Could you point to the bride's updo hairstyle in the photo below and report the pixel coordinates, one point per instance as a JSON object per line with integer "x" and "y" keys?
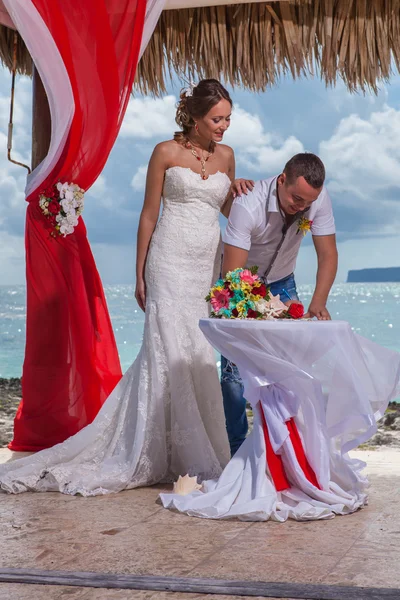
{"x": 195, "y": 102}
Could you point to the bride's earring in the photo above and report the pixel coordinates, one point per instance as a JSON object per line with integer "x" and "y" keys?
{"x": 196, "y": 128}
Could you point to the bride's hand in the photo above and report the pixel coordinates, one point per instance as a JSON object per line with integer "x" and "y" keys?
{"x": 241, "y": 186}
{"x": 140, "y": 294}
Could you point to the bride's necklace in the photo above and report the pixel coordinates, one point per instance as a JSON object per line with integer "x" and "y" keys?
{"x": 203, "y": 159}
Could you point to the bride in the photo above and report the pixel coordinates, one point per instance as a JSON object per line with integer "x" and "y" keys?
{"x": 165, "y": 418}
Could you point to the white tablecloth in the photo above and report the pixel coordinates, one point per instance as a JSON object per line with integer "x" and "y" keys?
{"x": 334, "y": 383}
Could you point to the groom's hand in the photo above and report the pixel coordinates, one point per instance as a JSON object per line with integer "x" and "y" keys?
{"x": 318, "y": 310}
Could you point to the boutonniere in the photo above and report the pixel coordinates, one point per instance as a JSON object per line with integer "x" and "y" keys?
{"x": 304, "y": 225}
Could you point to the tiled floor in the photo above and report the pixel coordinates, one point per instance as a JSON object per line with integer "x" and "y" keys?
{"x": 130, "y": 533}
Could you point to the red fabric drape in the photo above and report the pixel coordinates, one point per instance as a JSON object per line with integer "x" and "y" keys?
{"x": 71, "y": 360}
{"x": 300, "y": 454}
{"x": 275, "y": 462}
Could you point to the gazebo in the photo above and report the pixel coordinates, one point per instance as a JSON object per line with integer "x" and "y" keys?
{"x": 85, "y": 58}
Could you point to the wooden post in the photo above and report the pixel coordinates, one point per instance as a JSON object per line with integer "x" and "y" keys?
{"x": 41, "y": 121}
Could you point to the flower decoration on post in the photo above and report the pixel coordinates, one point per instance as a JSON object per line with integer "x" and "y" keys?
{"x": 304, "y": 225}
{"x": 62, "y": 204}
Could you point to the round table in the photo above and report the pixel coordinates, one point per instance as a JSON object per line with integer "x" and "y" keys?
{"x": 316, "y": 389}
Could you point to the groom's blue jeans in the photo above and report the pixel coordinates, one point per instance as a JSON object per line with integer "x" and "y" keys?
{"x": 231, "y": 383}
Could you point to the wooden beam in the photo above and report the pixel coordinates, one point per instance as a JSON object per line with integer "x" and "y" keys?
{"x": 298, "y": 591}
{"x": 174, "y": 4}
{"x": 41, "y": 121}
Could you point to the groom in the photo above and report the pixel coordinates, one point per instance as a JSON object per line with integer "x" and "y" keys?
{"x": 265, "y": 228}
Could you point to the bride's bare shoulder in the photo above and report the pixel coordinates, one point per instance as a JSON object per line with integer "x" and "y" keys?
{"x": 169, "y": 148}
{"x": 225, "y": 150}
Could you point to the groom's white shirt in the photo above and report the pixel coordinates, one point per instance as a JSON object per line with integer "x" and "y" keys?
{"x": 254, "y": 228}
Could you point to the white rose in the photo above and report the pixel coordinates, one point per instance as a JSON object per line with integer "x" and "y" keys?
{"x": 65, "y": 205}
{"x": 71, "y": 213}
{"x": 261, "y": 306}
{"x": 66, "y": 230}
{"x": 62, "y": 188}
{"x": 72, "y": 220}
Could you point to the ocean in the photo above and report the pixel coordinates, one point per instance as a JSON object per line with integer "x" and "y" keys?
{"x": 373, "y": 310}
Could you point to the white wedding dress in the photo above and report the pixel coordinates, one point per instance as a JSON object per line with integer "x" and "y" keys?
{"x": 165, "y": 418}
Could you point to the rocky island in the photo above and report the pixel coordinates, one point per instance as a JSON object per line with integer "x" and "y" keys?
{"x": 381, "y": 275}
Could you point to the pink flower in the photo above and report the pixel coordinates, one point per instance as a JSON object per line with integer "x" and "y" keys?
{"x": 220, "y": 300}
{"x": 248, "y": 277}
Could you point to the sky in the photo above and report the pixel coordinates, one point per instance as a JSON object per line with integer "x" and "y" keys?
{"x": 357, "y": 136}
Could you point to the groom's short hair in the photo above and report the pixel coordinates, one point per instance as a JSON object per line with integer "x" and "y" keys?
{"x": 306, "y": 165}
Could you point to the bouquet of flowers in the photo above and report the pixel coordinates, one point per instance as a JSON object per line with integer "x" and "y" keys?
{"x": 243, "y": 295}
{"x": 62, "y": 204}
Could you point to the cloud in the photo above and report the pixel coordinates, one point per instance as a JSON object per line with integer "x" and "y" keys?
{"x": 13, "y": 177}
{"x": 353, "y": 254}
{"x": 362, "y": 159}
{"x": 269, "y": 159}
{"x": 12, "y": 259}
{"x": 101, "y": 194}
{"x": 21, "y": 115}
{"x": 148, "y": 118}
{"x": 117, "y": 261}
{"x": 364, "y": 155}
{"x": 139, "y": 179}
{"x": 256, "y": 149}
{"x": 246, "y": 129}
{"x": 359, "y": 146}
{"x": 99, "y": 188}
{"x": 340, "y": 100}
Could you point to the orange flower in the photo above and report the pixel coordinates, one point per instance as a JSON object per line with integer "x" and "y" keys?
{"x": 303, "y": 225}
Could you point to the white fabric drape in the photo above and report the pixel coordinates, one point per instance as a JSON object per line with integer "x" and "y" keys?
{"x": 154, "y": 9}
{"x": 358, "y": 378}
{"x": 54, "y": 75}
{"x": 333, "y": 383}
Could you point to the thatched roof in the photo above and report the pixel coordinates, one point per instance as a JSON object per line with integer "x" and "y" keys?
{"x": 24, "y": 61}
{"x": 252, "y": 45}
